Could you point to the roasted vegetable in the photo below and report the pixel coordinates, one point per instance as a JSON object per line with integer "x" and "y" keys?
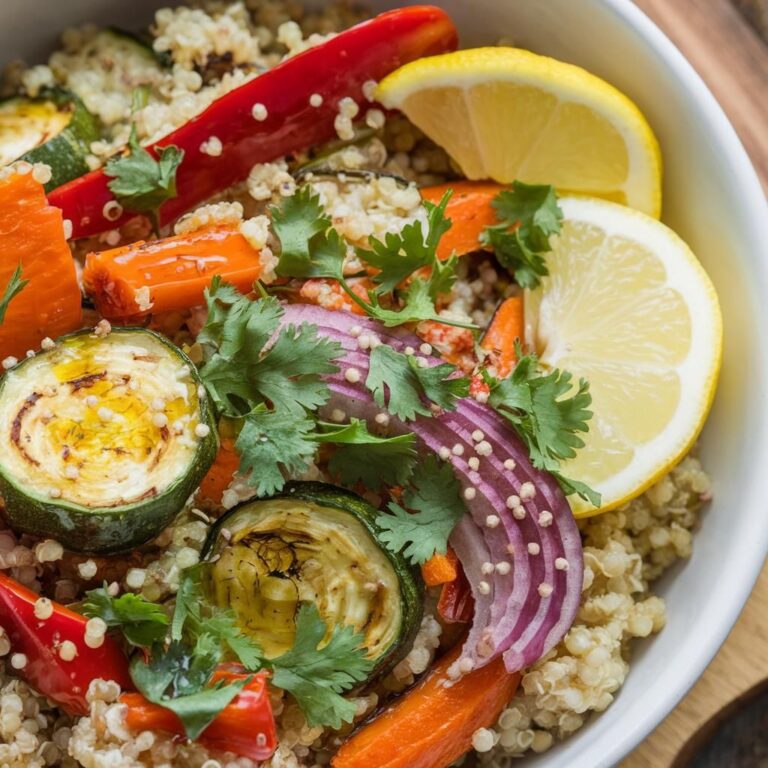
{"x": 313, "y": 543}
{"x": 246, "y": 726}
{"x": 164, "y": 275}
{"x": 431, "y": 725}
{"x": 32, "y": 237}
{"x": 39, "y": 629}
{"x": 106, "y": 437}
{"x": 54, "y": 128}
{"x": 365, "y": 52}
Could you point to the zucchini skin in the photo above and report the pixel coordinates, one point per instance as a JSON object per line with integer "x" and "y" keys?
{"x": 113, "y": 529}
{"x": 65, "y": 153}
{"x": 409, "y": 577}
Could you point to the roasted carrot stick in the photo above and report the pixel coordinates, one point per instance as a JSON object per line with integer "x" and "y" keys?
{"x": 127, "y": 283}
{"x": 505, "y": 329}
{"x": 220, "y": 474}
{"x": 470, "y": 212}
{"x": 32, "y": 235}
{"x": 440, "y": 569}
{"x": 431, "y": 725}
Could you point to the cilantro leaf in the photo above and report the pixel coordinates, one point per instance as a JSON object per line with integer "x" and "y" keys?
{"x": 311, "y": 247}
{"x": 235, "y": 324}
{"x": 270, "y": 442}
{"x": 417, "y": 306}
{"x": 401, "y": 254}
{"x": 288, "y": 372}
{"x": 439, "y": 384}
{"x": 15, "y": 286}
{"x": 397, "y": 382}
{"x": 308, "y": 247}
{"x": 547, "y": 414}
{"x": 528, "y": 216}
{"x": 141, "y": 622}
{"x": 434, "y": 498}
{"x": 366, "y": 458}
{"x": 218, "y": 627}
{"x": 243, "y": 370}
{"x": 316, "y": 676}
{"x": 139, "y": 181}
{"x": 177, "y": 680}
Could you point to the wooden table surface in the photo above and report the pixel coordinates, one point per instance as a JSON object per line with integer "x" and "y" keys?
{"x": 733, "y": 59}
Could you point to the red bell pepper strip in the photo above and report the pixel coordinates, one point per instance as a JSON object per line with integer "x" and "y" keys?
{"x": 456, "y": 604}
{"x": 246, "y": 726}
{"x": 65, "y": 682}
{"x": 337, "y": 68}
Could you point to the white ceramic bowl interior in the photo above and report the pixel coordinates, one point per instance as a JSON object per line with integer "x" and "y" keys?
{"x": 713, "y": 199}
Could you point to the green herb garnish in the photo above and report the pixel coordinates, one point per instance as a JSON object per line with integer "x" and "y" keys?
{"x": 362, "y": 457}
{"x": 180, "y": 657}
{"x": 528, "y": 216}
{"x": 547, "y": 414}
{"x": 316, "y": 676}
{"x": 410, "y": 279}
{"x": 399, "y": 383}
{"x": 14, "y": 288}
{"x": 139, "y": 181}
{"x": 435, "y": 504}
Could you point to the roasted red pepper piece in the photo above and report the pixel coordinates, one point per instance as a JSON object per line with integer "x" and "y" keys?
{"x": 65, "y": 682}
{"x": 456, "y": 604}
{"x": 246, "y": 726}
{"x": 337, "y": 68}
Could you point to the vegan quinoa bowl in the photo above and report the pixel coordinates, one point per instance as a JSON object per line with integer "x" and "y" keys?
{"x": 350, "y": 398}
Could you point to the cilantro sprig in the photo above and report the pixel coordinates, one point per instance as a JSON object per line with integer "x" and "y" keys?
{"x": 14, "y": 288}
{"x": 141, "y": 622}
{"x": 139, "y": 181}
{"x": 547, "y": 414}
{"x": 435, "y": 504}
{"x": 362, "y": 457}
{"x": 179, "y": 656}
{"x": 398, "y": 382}
{"x": 410, "y": 278}
{"x": 316, "y": 676}
{"x": 267, "y": 378}
{"x": 528, "y": 216}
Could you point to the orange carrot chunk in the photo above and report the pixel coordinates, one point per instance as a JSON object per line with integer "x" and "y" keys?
{"x": 440, "y": 569}
{"x": 220, "y": 474}
{"x": 506, "y": 328}
{"x": 470, "y": 212}
{"x": 129, "y": 282}
{"x": 431, "y": 725}
{"x": 32, "y": 234}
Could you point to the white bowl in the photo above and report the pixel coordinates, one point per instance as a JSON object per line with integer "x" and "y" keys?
{"x": 713, "y": 199}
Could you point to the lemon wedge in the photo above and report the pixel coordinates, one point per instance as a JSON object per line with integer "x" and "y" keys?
{"x": 506, "y": 114}
{"x": 627, "y": 306}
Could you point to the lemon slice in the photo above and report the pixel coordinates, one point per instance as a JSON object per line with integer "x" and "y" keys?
{"x": 506, "y": 114}
{"x": 628, "y": 307}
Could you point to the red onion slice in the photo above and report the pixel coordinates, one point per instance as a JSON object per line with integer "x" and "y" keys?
{"x": 527, "y": 602}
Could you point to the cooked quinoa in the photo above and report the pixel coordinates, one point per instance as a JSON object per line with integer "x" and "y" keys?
{"x": 215, "y": 47}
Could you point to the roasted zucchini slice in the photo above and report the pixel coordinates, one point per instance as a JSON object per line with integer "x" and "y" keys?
{"x": 319, "y": 544}
{"x": 55, "y": 129}
{"x": 104, "y": 438}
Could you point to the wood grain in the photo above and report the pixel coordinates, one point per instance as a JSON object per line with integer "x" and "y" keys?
{"x": 733, "y": 60}
{"x": 730, "y": 57}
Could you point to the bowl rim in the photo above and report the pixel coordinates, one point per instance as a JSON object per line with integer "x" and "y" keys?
{"x": 753, "y": 197}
